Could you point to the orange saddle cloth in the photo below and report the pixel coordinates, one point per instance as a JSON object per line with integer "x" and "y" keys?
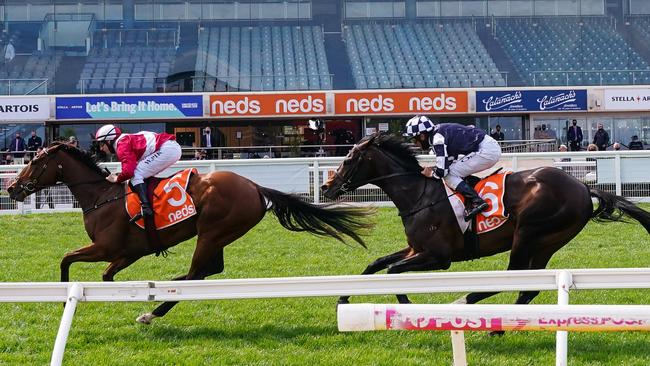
{"x": 171, "y": 202}
{"x": 492, "y": 190}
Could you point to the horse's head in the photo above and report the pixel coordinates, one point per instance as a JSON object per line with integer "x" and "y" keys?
{"x": 42, "y": 171}
{"x": 376, "y": 157}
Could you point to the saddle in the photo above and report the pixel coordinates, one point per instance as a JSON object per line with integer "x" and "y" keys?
{"x": 169, "y": 200}
{"x": 492, "y": 186}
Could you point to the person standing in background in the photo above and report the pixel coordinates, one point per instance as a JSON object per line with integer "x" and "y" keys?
{"x": 9, "y": 55}
{"x": 17, "y": 148}
{"x": 498, "y": 134}
{"x": 574, "y": 136}
{"x": 208, "y": 141}
{"x": 34, "y": 142}
{"x": 601, "y": 138}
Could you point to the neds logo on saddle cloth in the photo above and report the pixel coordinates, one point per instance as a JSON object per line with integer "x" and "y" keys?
{"x": 491, "y": 189}
{"x": 171, "y": 203}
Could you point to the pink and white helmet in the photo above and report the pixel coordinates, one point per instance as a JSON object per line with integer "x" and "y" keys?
{"x": 107, "y": 133}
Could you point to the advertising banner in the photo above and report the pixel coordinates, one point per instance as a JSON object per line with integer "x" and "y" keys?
{"x": 129, "y": 107}
{"x": 627, "y": 99}
{"x": 531, "y": 100}
{"x": 286, "y": 104}
{"x": 401, "y": 102}
{"x": 24, "y": 109}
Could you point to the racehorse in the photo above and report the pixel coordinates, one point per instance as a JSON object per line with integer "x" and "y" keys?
{"x": 547, "y": 208}
{"x": 228, "y": 205}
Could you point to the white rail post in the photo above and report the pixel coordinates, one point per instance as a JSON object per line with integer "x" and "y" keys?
{"x": 617, "y": 172}
{"x": 458, "y": 347}
{"x": 75, "y": 293}
{"x": 316, "y": 167}
{"x": 564, "y": 282}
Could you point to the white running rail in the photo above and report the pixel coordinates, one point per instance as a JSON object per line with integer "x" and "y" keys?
{"x": 71, "y": 293}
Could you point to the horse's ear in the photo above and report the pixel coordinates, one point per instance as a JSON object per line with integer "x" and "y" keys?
{"x": 365, "y": 143}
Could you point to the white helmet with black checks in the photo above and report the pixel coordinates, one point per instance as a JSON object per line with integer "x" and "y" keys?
{"x": 418, "y": 125}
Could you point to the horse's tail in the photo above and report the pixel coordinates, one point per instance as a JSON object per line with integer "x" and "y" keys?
{"x": 612, "y": 208}
{"x": 296, "y": 214}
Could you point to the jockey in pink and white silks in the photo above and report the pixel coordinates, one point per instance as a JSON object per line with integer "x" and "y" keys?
{"x": 460, "y": 151}
{"x": 143, "y": 155}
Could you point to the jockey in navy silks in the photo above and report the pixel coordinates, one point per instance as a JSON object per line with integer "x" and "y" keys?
{"x": 460, "y": 151}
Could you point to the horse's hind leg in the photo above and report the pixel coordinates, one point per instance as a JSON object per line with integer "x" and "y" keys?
{"x": 422, "y": 261}
{"x": 116, "y": 266}
{"x": 378, "y": 265}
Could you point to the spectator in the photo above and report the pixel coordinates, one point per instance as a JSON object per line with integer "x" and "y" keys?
{"x": 497, "y": 134}
{"x": 562, "y": 148}
{"x": 616, "y": 146}
{"x": 34, "y": 143}
{"x": 574, "y": 136}
{"x": 592, "y": 147}
{"x": 601, "y": 138}
{"x": 208, "y": 141}
{"x": 200, "y": 154}
{"x": 635, "y": 144}
{"x": 10, "y": 54}
{"x": 17, "y": 148}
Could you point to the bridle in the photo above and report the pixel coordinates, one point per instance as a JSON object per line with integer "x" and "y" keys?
{"x": 32, "y": 185}
{"x": 348, "y": 186}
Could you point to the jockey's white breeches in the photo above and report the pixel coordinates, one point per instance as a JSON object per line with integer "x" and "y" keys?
{"x": 488, "y": 154}
{"x": 150, "y": 165}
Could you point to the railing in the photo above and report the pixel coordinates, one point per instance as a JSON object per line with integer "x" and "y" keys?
{"x": 435, "y": 79}
{"x": 259, "y": 82}
{"x": 408, "y": 283}
{"x": 264, "y": 152}
{"x": 23, "y": 86}
{"x": 122, "y": 85}
{"x": 625, "y": 173}
{"x": 120, "y": 36}
{"x": 599, "y": 77}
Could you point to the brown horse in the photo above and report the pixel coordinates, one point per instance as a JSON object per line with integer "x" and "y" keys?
{"x": 228, "y": 206}
{"x": 547, "y": 208}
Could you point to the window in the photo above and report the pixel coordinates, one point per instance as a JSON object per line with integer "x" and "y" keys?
{"x": 428, "y": 9}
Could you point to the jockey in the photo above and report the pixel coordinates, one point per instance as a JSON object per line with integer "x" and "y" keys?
{"x": 143, "y": 155}
{"x": 460, "y": 151}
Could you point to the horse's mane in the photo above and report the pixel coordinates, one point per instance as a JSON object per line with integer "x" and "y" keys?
{"x": 82, "y": 156}
{"x": 397, "y": 148}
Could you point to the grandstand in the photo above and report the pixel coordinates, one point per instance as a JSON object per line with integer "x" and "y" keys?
{"x": 563, "y": 51}
{"x": 128, "y": 61}
{"x": 261, "y": 58}
{"x": 419, "y": 55}
{"x": 364, "y": 47}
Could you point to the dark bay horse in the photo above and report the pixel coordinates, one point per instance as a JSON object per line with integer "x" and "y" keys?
{"x": 547, "y": 208}
{"x": 228, "y": 206}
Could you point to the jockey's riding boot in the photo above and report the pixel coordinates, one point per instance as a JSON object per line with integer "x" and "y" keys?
{"x": 141, "y": 190}
{"x": 474, "y": 203}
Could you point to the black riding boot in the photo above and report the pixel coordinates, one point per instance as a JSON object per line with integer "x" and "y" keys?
{"x": 474, "y": 204}
{"x": 141, "y": 190}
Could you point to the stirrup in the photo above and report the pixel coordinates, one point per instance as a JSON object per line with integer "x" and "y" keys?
{"x": 469, "y": 215}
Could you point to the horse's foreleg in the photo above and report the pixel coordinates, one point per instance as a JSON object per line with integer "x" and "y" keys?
{"x": 117, "y": 266}
{"x": 90, "y": 253}
{"x": 378, "y": 265}
{"x": 422, "y": 261}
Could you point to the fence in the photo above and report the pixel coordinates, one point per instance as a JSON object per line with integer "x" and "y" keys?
{"x": 625, "y": 173}
{"x": 72, "y": 293}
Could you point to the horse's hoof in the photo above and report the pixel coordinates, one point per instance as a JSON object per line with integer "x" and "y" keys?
{"x": 145, "y": 318}
{"x": 342, "y": 301}
{"x": 461, "y": 301}
{"x": 496, "y": 333}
